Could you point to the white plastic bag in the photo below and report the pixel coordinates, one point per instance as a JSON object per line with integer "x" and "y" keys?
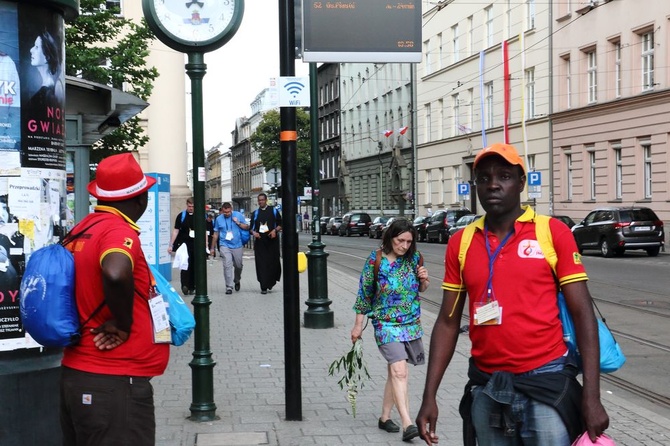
{"x": 181, "y": 258}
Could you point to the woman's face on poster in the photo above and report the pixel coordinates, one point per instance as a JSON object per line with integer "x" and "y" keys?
{"x": 37, "y": 56}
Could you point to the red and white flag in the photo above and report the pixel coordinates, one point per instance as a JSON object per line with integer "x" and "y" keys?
{"x": 403, "y": 130}
{"x": 388, "y": 133}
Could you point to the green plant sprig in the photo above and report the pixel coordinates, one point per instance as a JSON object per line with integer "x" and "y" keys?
{"x": 355, "y": 372}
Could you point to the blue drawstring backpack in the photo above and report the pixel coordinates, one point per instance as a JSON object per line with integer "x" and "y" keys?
{"x": 182, "y": 321}
{"x": 47, "y": 300}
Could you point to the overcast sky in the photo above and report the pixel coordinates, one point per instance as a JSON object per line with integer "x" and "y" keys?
{"x": 241, "y": 69}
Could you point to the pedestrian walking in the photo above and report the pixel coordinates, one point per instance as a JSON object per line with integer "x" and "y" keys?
{"x": 184, "y": 233}
{"x": 305, "y": 222}
{"x": 227, "y": 236}
{"x": 265, "y": 227}
{"x": 522, "y": 387}
{"x": 209, "y": 227}
{"x": 389, "y": 295}
{"x": 106, "y": 393}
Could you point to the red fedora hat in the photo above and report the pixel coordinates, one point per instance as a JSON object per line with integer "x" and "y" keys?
{"x": 119, "y": 177}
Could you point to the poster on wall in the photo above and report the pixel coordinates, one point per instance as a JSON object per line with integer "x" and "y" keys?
{"x": 33, "y": 190}
{"x": 42, "y": 71}
{"x": 10, "y": 91}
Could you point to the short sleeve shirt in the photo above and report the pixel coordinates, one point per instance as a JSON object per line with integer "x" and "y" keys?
{"x": 393, "y": 304}
{"x": 139, "y": 355}
{"x": 223, "y": 224}
{"x": 523, "y": 283}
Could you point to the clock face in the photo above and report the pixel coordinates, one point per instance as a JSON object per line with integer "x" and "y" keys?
{"x": 194, "y": 23}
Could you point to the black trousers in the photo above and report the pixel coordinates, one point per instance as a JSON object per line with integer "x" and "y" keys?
{"x": 106, "y": 410}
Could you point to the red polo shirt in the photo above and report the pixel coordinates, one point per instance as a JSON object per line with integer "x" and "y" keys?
{"x": 138, "y": 356}
{"x": 530, "y": 334}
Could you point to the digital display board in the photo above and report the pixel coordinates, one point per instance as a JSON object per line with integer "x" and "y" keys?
{"x": 362, "y": 31}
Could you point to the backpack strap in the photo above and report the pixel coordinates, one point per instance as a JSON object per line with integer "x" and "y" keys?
{"x": 466, "y": 239}
{"x": 183, "y": 216}
{"x": 545, "y": 240}
{"x": 72, "y": 236}
{"x": 69, "y": 238}
{"x": 378, "y": 261}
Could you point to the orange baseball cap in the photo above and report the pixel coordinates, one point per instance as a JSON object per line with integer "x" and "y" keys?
{"x": 507, "y": 151}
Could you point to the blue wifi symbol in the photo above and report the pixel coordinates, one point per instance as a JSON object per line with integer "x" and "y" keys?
{"x": 294, "y": 88}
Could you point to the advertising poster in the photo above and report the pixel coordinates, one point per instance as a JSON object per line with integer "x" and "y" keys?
{"x": 42, "y": 71}
{"x": 33, "y": 190}
{"x": 10, "y": 91}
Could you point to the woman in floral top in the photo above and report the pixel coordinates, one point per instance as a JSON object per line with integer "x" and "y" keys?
{"x": 392, "y": 302}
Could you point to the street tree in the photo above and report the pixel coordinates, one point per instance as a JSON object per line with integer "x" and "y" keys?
{"x": 104, "y": 47}
{"x": 266, "y": 141}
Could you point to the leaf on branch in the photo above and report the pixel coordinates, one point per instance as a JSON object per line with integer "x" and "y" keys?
{"x": 355, "y": 372}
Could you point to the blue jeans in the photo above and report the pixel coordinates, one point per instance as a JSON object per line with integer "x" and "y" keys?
{"x": 537, "y": 424}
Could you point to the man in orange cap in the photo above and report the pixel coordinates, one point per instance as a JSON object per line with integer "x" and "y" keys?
{"x": 106, "y": 396}
{"x": 523, "y": 388}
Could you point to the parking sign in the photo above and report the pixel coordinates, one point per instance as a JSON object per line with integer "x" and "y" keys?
{"x": 534, "y": 178}
{"x": 534, "y": 184}
{"x": 463, "y": 188}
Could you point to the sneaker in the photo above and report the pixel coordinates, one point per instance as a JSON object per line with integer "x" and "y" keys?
{"x": 184, "y": 290}
{"x": 411, "y": 432}
{"x": 229, "y": 291}
{"x": 237, "y": 286}
{"x": 388, "y": 425}
{"x": 264, "y": 291}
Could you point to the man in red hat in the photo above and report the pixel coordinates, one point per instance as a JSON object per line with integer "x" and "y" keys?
{"x": 522, "y": 387}
{"x": 106, "y": 396}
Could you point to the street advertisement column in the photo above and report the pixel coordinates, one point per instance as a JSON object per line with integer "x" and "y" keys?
{"x": 32, "y": 149}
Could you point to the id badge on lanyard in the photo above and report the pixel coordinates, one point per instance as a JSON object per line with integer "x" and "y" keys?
{"x": 159, "y": 318}
{"x": 489, "y": 311}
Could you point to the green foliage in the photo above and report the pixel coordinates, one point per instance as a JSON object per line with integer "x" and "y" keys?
{"x": 266, "y": 141}
{"x": 355, "y": 372}
{"x": 111, "y": 50}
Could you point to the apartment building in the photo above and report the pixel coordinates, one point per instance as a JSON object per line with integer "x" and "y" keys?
{"x": 611, "y": 115}
{"x": 328, "y": 109}
{"x": 484, "y": 78}
{"x": 376, "y": 149}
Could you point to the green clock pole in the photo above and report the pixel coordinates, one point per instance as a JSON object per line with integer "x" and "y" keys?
{"x": 202, "y": 366}
{"x": 319, "y": 314}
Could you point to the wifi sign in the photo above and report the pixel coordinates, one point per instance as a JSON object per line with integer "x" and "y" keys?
{"x": 293, "y": 91}
{"x": 294, "y": 88}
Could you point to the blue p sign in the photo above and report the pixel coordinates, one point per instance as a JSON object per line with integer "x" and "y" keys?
{"x": 534, "y": 179}
{"x": 463, "y": 188}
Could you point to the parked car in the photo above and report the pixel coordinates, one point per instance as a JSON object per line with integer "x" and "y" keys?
{"x": 438, "y": 226}
{"x": 375, "y": 230}
{"x": 323, "y": 222}
{"x": 388, "y": 223}
{"x": 355, "y": 223}
{"x": 420, "y": 226}
{"x": 333, "y": 225}
{"x": 565, "y": 219}
{"x": 462, "y": 222}
{"x": 613, "y": 230}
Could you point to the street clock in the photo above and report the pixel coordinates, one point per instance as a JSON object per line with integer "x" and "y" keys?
{"x": 192, "y": 25}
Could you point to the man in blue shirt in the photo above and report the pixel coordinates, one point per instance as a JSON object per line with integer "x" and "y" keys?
{"x": 227, "y": 236}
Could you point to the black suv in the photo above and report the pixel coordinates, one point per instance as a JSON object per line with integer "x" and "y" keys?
{"x": 613, "y": 230}
{"x": 355, "y": 223}
{"x": 438, "y": 226}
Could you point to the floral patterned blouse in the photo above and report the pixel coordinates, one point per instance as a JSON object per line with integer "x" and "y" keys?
{"x": 395, "y": 309}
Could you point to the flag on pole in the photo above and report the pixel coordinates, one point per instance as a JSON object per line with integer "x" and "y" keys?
{"x": 388, "y": 133}
{"x": 403, "y": 130}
